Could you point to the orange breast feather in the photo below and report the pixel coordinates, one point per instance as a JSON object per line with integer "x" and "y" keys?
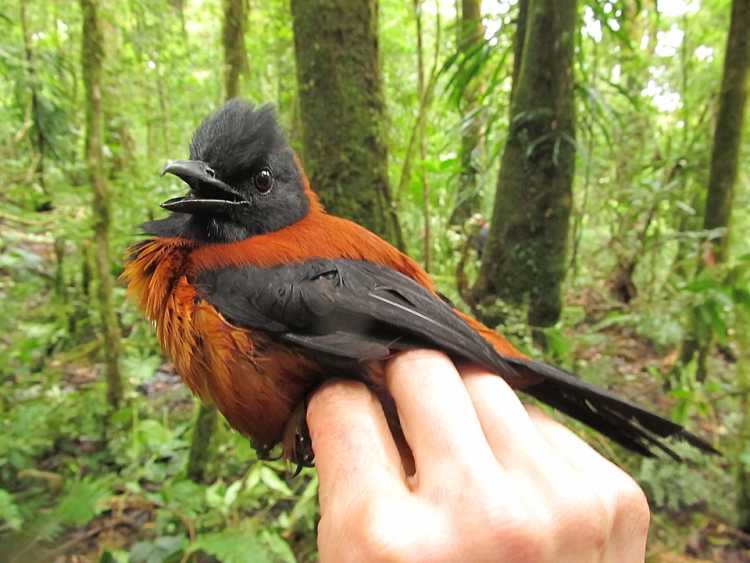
{"x": 253, "y": 381}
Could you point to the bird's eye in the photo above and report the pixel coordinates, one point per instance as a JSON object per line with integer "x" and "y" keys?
{"x": 263, "y": 181}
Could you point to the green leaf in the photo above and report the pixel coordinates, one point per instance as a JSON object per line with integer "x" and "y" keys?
{"x": 81, "y": 502}
{"x": 231, "y": 493}
{"x": 215, "y": 494}
{"x": 271, "y": 480}
{"x": 9, "y": 511}
{"x": 234, "y": 545}
{"x": 115, "y": 556}
{"x": 253, "y": 477}
{"x": 185, "y": 495}
{"x": 741, "y": 297}
{"x": 160, "y": 550}
{"x": 712, "y": 315}
{"x": 278, "y": 546}
{"x": 702, "y": 284}
{"x": 557, "y": 343}
{"x": 139, "y": 369}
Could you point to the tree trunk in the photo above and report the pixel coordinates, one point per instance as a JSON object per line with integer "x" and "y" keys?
{"x": 233, "y": 41}
{"x": 524, "y": 261}
{"x": 468, "y": 197}
{"x": 743, "y": 387}
{"x": 39, "y": 142}
{"x": 343, "y": 111}
{"x": 422, "y": 125}
{"x": 235, "y": 65}
{"x": 728, "y": 135}
{"x": 518, "y": 44}
{"x": 724, "y": 161}
{"x": 91, "y": 64}
{"x": 179, "y": 7}
{"x": 200, "y": 442}
{"x": 424, "y": 92}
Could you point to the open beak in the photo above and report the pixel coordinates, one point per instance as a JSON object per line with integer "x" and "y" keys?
{"x": 207, "y": 194}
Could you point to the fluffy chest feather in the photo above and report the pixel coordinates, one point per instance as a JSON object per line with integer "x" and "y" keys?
{"x": 254, "y": 381}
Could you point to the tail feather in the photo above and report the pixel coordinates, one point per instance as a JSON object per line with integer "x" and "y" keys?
{"x": 622, "y": 421}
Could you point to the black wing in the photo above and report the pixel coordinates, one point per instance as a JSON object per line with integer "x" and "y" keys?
{"x": 353, "y": 309}
{"x": 357, "y": 311}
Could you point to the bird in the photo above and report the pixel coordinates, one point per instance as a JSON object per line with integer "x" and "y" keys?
{"x": 258, "y": 295}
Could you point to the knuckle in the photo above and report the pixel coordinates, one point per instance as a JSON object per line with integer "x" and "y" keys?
{"x": 332, "y": 394}
{"x": 523, "y": 540}
{"x": 586, "y": 521}
{"x": 631, "y": 508}
{"x": 539, "y": 416}
{"x": 518, "y": 532}
{"x": 377, "y": 535}
{"x": 423, "y": 359}
{"x": 486, "y": 382}
{"x": 475, "y": 374}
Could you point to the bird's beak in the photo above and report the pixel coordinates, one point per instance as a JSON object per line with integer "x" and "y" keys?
{"x": 207, "y": 194}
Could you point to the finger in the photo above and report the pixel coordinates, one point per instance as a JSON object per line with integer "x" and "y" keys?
{"x": 354, "y": 449}
{"x": 627, "y": 507}
{"x": 568, "y": 445}
{"x": 549, "y": 482}
{"x": 577, "y": 453}
{"x": 513, "y": 437}
{"x": 437, "y": 416}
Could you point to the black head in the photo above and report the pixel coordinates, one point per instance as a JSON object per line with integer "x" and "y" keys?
{"x": 243, "y": 177}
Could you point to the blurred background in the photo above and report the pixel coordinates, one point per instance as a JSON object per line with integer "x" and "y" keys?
{"x": 573, "y": 172}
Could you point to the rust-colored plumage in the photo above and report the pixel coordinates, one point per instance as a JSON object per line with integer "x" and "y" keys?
{"x": 255, "y": 382}
{"x": 258, "y": 295}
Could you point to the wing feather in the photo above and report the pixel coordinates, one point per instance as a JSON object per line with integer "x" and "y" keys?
{"x": 359, "y": 311}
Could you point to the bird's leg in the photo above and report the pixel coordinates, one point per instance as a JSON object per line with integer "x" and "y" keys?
{"x": 297, "y": 444}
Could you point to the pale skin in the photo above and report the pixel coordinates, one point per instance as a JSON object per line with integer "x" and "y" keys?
{"x": 494, "y": 480}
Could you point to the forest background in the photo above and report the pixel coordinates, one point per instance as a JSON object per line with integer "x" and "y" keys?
{"x": 571, "y": 172}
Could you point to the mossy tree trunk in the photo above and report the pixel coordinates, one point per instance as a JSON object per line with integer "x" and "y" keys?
{"x": 468, "y": 196}
{"x": 524, "y": 261}
{"x": 38, "y": 140}
{"x": 235, "y": 65}
{"x": 724, "y": 160}
{"x": 92, "y": 55}
{"x": 200, "y": 441}
{"x": 343, "y": 111}
{"x": 729, "y": 122}
{"x": 743, "y": 386}
{"x": 725, "y": 157}
{"x": 424, "y": 93}
{"x": 518, "y": 44}
{"x": 179, "y": 7}
{"x": 233, "y": 41}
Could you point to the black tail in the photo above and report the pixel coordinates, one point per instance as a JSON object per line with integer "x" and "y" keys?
{"x": 627, "y": 424}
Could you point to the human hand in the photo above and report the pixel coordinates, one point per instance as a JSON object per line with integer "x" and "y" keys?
{"x": 494, "y": 481}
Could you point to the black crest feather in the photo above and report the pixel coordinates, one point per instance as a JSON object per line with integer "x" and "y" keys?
{"x": 237, "y": 135}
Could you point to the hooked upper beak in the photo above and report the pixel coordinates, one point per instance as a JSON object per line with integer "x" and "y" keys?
{"x": 207, "y": 193}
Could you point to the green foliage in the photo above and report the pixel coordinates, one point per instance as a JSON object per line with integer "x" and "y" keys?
{"x": 81, "y": 502}
{"x": 646, "y": 85}
{"x": 721, "y": 296}
{"x": 9, "y": 511}
{"x": 164, "y": 549}
{"x": 237, "y": 545}
{"x": 142, "y": 463}
{"x": 701, "y": 484}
